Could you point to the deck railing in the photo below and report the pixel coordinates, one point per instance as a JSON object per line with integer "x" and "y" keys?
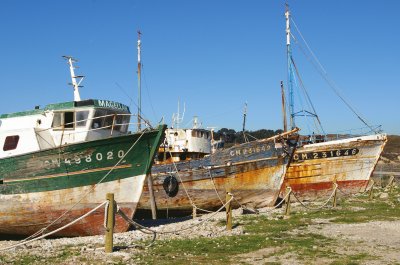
{"x": 72, "y": 126}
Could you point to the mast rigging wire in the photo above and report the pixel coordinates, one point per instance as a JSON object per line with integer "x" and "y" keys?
{"x": 321, "y": 70}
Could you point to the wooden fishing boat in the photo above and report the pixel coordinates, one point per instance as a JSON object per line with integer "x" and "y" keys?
{"x": 59, "y": 162}
{"x": 347, "y": 162}
{"x": 253, "y": 172}
{"x": 321, "y": 161}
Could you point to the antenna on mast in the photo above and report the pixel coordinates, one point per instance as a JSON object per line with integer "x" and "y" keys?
{"x": 139, "y": 67}
{"x": 177, "y": 118}
{"x": 76, "y": 84}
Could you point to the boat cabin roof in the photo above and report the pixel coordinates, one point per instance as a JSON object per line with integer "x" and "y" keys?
{"x": 94, "y": 103}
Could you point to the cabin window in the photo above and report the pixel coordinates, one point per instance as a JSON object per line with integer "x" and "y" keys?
{"x": 11, "y": 142}
{"x": 57, "y": 120}
{"x": 63, "y": 119}
{"x": 81, "y": 118}
{"x": 69, "y": 120}
{"x": 105, "y": 119}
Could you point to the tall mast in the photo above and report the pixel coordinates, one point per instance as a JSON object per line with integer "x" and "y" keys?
{"x": 139, "y": 67}
{"x": 244, "y": 117}
{"x": 290, "y": 70}
{"x": 244, "y": 122}
{"x": 283, "y": 108}
{"x": 75, "y": 84}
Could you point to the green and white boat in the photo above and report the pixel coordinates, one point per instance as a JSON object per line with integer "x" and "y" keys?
{"x": 58, "y": 162}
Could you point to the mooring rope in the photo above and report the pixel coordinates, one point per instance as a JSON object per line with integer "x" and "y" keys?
{"x": 123, "y": 215}
{"x": 317, "y": 208}
{"x": 57, "y": 230}
{"x": 367, "y": 189}
{"x": 187, "y": 193}
{"x": 180, "y": 179}
{"x": 215, "y": 188}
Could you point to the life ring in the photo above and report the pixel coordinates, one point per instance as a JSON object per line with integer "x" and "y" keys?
{"x": 171, "y": 186}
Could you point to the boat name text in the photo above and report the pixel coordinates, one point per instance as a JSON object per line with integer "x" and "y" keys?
{"x": 250, "y": 150}
{"x": 95, "y": 157}
{"x": 112, "y": 105}
{"x": 325, "y": 154}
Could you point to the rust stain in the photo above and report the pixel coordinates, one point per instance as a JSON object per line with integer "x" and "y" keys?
{"x": 28, "y": 222}
{"x": 350, "y": 166}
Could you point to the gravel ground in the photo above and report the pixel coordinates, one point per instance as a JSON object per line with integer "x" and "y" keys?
{"x": 379, "y": 239}
{"x": 93, "y": 246}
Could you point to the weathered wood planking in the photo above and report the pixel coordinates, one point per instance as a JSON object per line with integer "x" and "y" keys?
{"x": 253, "y": 171}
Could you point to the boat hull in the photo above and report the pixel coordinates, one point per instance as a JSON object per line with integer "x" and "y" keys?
{"x": 252, "y": 171}
{"x": 39, "y": 187}
{"x": 350, "y": 162}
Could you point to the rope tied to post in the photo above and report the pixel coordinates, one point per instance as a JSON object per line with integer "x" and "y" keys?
{"x": 323, "y": 205}
{"x": 129, "y": 220}
{"x": 24, "y": 242}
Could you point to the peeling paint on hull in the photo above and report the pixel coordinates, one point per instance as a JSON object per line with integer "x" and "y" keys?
{"x": 25, "y": 214}
{"x": 253, "y": 171}
{"x": 349, "y": 162}
{"x": 34, "y": 193}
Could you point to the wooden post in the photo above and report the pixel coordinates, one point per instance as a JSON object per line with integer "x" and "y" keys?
{"x": 371, "y": 190}
{"x": 228, "y": 208}
{"x": 194, "y": 212}
{"x": 335, "y": 195}
{"x": 152, "y": 198}
{"x": 391, "y": 181}
{"x": 110, "y": 223}
{"x": 287, "y": 210}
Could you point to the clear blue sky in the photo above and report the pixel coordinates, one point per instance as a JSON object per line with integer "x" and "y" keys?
{"x": 212, "y": 55}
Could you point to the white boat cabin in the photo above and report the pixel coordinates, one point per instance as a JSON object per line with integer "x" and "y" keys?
{"x": 185, "y": 144}
{"x": 61, "y": 124}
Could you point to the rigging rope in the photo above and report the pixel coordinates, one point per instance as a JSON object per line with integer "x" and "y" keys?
{"x": 307, "y": 96}
{"x": 321, "y": 70}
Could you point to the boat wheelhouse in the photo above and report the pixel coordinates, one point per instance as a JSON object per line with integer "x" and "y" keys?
{"x": 60, "y": 124}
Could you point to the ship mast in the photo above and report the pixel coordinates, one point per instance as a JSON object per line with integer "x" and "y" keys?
{"x": 283, "y": 108}
{"x": 139, "y": 67}
{"x": 244, "y": 122}
{"x": 76, "y": 85}
{"x": 290, "y": 70}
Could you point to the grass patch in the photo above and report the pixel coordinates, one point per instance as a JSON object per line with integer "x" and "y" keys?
{"x": 356, "y": 259}
{"x": 282, "y": 236}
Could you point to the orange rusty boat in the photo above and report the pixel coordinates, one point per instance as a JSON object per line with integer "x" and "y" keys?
{"x": 347, "y": 162}
{"x": 253, "y": 171}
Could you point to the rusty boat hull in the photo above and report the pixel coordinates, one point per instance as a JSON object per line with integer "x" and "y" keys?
{"x": 39, "y": 187}
{"x": 349, "y": 163}
{"x": 253, "y": 172}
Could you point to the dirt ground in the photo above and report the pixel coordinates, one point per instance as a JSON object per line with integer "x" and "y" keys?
{"x": 379, "y": 239}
